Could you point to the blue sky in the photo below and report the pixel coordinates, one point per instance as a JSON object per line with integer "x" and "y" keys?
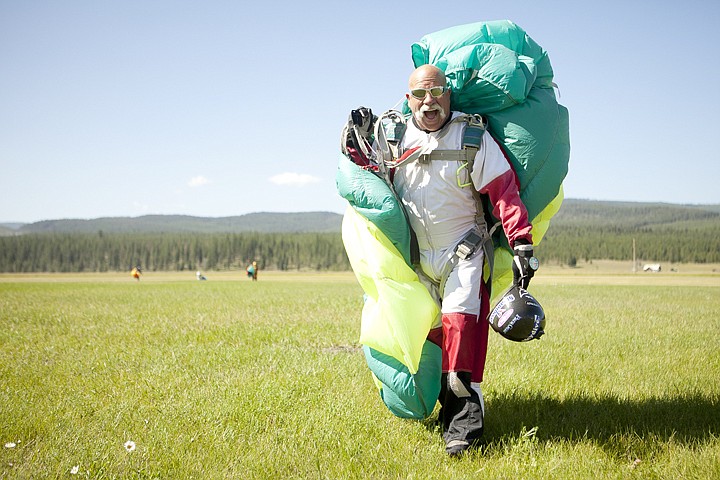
{"x": 220, "y": 108}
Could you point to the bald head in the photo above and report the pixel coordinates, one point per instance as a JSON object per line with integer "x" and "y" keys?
{"x": 430, "y": 111}
{"x": 426, "y": 72}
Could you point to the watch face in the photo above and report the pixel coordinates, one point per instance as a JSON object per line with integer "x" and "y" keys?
{"x": 534, "y": 263}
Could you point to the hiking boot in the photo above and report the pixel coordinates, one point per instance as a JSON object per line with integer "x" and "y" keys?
{"x": 466, "y": 427}
{"x": 456, "y": 447}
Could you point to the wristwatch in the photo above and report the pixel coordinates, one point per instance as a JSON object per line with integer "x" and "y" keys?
{"x": 523, "y": 250}
{"x": 533, "y": 263}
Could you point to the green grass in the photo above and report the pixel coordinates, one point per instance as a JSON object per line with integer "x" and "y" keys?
{"x": 235, "y": 379}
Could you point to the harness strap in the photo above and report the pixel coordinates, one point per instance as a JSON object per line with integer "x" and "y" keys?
{"x": 445, "y": 155}
{"x": 472, "y": 141}
{"x": 474, "y": 132}
{"x": 484, "y": 242}
{"x": 389, "y": 130}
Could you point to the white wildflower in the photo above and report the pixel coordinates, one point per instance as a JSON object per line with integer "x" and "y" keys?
{"x": 75, "y": 470}
{"x": 10, "y": 445}
{"x": 129, "y": 446}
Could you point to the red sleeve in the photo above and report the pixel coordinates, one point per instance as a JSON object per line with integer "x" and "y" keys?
{"x": 508, "y": 207}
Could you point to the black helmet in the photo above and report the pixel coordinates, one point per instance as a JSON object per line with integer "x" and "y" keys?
{"x": 518, "y": 316}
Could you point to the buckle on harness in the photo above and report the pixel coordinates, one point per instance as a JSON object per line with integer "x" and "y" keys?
{"x": 468, "y": 245}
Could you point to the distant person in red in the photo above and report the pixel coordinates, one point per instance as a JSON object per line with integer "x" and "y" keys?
{"x": 135, "y": 273}
{"x": 252, "y": 271}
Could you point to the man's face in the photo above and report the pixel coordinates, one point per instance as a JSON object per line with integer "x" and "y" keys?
{"x": 430, "y": 112}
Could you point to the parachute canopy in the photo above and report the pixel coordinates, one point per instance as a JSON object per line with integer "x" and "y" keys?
{"x": 397, "y": 315}
{"x": 495, "y": 69}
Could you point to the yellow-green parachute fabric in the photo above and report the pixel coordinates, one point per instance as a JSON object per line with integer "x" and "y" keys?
{"x": 393, "y": 293}
{"x": 494, "y": 69}
{"x": 398, "y": 310}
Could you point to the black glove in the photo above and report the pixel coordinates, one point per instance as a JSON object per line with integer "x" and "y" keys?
{"x": 524, "y": 265}
{"x": 357, "y": 135}
{"x": 364, "y": 119}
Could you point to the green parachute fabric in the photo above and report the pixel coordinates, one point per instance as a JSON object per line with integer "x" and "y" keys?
{"x": 371, "y": 197}
{"x": 497, "y": 70}
{"x": 393, "y": 293}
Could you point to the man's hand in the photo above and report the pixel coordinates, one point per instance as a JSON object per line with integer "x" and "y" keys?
{"x": 524, "y": 265}
{"x": 357, "y": 136}
{"x": 364, "y": 120}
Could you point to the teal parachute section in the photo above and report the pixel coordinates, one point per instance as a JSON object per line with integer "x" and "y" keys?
{"x": 494, "y": 69}
{"x": 405, "y": 394}
{"x": 372, "y": 198}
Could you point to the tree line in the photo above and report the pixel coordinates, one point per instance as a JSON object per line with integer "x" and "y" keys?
{"x": 102, "y": 252}
{"x": 170, "y": 252}
{"x": 652, "y": 244}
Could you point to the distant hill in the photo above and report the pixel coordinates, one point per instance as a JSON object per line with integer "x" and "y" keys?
{"x": 8, "y": 229}
{"x": 264, "y": 222}
{"x": 632, "y": 215}
{"x": 573, "y": 214}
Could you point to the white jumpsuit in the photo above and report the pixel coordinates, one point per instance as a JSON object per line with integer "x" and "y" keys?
{"x": 441, "y": 211}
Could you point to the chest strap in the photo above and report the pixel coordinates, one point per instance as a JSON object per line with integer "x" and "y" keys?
{"x": 447, "y": 156}
{"x": 472, "y": 140}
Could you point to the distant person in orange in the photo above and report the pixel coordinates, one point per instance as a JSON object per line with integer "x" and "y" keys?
{"x": 135, "y": 273}
{"x": 252, "y": 271}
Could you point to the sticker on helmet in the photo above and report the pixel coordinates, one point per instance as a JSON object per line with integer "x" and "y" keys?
{"x": 504, "y": 318}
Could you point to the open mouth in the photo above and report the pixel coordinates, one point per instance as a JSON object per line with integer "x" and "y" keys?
{"x": 430, "y": 113}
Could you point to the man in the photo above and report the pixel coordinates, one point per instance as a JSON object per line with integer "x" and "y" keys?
{"x": 136, "y": 272}
{"x": 252, "y": 271}
{"x": 441, "y": 206}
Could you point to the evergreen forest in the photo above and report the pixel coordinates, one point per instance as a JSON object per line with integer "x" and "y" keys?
{"x": 582, "y": 230}
{"x": 67, "y": 252}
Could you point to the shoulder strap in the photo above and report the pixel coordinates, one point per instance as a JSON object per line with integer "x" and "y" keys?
{"x": 389, "y": 131}
{"x": 472, "y": 140}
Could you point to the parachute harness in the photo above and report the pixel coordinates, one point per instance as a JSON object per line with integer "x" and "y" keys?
{"x": 373, "y": 143}
{"x": 389, "y": 130}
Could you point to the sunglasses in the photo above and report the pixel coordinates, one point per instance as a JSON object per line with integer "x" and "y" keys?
{"x": 420, "y": 93}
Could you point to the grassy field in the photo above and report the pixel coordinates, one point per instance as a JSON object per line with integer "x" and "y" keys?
{"x": 236, "y": 379}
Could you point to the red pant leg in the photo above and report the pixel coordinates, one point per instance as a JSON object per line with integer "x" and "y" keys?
{"x": 465, "y": 340}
